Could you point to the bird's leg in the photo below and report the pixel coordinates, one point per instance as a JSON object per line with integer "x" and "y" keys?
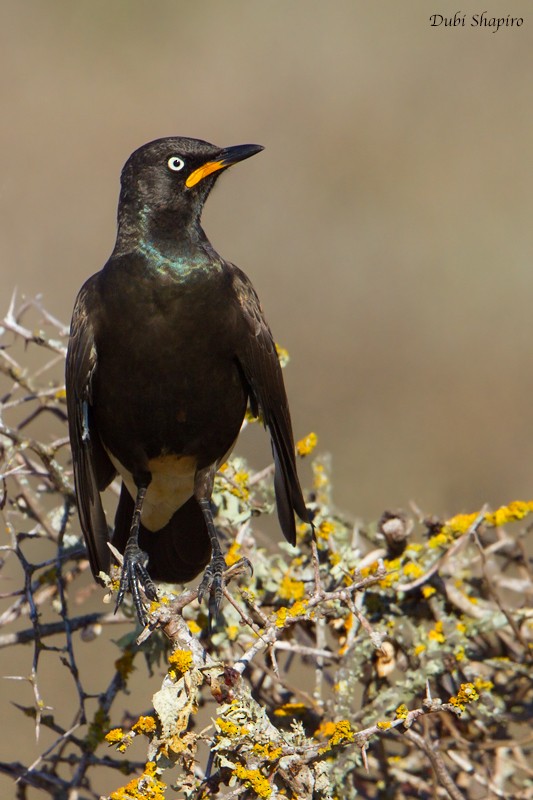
{"x": 212, "y": 583}
{"x": 134, "y": 570}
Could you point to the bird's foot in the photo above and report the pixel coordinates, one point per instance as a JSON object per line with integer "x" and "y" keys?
{"x": 213, "y": 582}
{"x": 134, "y": 575}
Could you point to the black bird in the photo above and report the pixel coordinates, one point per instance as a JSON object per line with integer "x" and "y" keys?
{"x": 168, "y": 344}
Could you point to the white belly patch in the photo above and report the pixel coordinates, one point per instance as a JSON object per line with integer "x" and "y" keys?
{"x": 171, "y": 486}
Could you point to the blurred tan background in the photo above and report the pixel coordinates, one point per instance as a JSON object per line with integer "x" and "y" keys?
{"x": 387, "y": 226}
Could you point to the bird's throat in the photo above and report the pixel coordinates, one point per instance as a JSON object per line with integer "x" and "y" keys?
{"x": 168, "y": 241}
{"x": 168, "y": 258}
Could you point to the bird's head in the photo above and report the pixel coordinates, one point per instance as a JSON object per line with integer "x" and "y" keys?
{"x": 175, "y": 175}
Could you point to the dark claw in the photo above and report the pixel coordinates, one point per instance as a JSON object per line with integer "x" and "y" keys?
{"x": 213, "y": 583}
{"x": 242, "y": 565}
{"x": 134, "y": 575}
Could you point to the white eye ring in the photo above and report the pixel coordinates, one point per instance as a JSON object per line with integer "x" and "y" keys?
{"x": 175, "y": 163}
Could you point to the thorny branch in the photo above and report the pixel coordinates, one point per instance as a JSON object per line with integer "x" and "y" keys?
{"x": 395, "y": 654}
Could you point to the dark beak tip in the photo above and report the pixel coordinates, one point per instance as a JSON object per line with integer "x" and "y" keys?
{"x": 232, "y": 155}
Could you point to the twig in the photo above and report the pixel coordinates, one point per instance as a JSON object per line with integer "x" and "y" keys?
{"x": 438, "y": 765}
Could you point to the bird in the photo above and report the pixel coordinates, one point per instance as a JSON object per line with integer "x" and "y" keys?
{"x": 168, "y": 348}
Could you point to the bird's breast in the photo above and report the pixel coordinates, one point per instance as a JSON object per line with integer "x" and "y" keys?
{"x": 167, "y": 378}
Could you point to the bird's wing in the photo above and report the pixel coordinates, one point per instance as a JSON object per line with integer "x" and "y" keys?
{"x": 256, "y": 352}
{"x": 92, "y": 468}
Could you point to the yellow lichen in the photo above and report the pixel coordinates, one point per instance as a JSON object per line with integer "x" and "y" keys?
{"x": 343, "y": 733}
{"x": 147, "y": 787}
{"x": 419, "y": 649}
{"x": 324, "y": 730}
{"x": 180, "y": 662}
{"x": 459, "y": 653}
{"x": 516, "y": 510}
{"x": 239, "y": 485}
{"x": 412, "y": 570}
{"x": 114, "y": 736}
{"x": 193, "y": 626}
{"x": 325, "y": 529}
{"x": 291, "y": 589}
{"x": 290, "y": 710}
{"x": 436, "y": 633}
{"x": 365, "y": 572}
{"x": 268, "y": 751}
{"x": 483, "y": 686}
{"x": 306, "y": 445}
{"x": 459, "y": 524}
{"x": 299, "y": 609}
{"x": 233, "y": 555}
{"x": 227, "y": 727}
{"x": 392, "y": 566}
{"x": 439, "y": 540}
{"x": 467, "y": 694}
{"x": 427, "y": 591}
{"x": 384, "y": 726}
{"x": 284, "y": 615}
{"x": 233, "y": 632}
{"x": 402, "y": 712}
{"x": 254, "y": 780}
{"x": 146, "y": 725}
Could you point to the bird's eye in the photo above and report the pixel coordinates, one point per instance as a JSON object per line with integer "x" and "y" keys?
{"x": 175, "y": 163}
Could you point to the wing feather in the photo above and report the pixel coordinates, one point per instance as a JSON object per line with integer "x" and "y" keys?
{"x": 93, "y": 470}
{"x": 260, "y": 363}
